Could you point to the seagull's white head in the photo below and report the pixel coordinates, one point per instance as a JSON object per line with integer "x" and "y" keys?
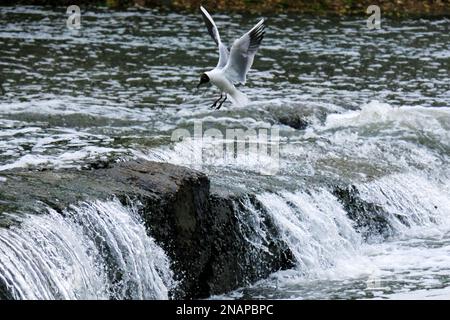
{"x": 203, "y": 79}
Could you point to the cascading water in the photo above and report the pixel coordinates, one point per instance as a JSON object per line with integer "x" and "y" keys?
{"x": 315, "y": 227}
{"x": 394, "y": 152}
{"x": 97, "y": 250}
{"x": 395, "y": 159}
{"x": 333, "y": 261}
{"x": 420, "y": 202}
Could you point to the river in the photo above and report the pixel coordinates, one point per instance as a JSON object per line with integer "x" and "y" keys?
{"x": 375, "y": 112}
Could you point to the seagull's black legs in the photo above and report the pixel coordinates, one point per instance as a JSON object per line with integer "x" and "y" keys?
{"x": 221, "y": 103}
{"x": 215, "y": 102}
{"x": 218, "y": 101}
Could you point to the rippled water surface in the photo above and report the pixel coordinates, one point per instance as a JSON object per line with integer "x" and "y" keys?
{"x": 376, "y": 104}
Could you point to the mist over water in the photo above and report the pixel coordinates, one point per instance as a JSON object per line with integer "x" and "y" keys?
{"x": 376, "y": 103}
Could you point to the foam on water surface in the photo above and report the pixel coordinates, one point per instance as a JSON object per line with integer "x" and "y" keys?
{"x": 377, "y": 111}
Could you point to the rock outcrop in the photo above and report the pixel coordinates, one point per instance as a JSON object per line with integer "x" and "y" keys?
{"x": 205, "y": 235}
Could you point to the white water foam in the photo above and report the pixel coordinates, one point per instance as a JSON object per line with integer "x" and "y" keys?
{"x": 414, "y": 202}
{"x": 334, "y": 262}
{"x": 315, "y": 227}
{"x": 96, "y": 250}
{"x": 428, "y": 119}
{"x": 211, "y": 154}
{"x": 63, "y": 160}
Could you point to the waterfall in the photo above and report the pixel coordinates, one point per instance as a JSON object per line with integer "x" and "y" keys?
{"x": 334, "y": 260}
{"x": 96, "y": 250}
{"x": 418, "y": 200}
{"x": 315, "y": 227}
{"x": 101, "y": 250}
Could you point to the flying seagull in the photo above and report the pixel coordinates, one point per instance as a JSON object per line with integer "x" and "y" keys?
{"x": 233, "y": 65}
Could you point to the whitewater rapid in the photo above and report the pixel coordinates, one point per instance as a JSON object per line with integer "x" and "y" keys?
{"x": 376, "y": 111}
{"x": 96, "y": 250}
{"x": 335, "y": 262}
{"x": 334, "y": 257}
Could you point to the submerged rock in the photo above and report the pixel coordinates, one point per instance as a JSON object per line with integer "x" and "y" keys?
{"x": 371, "y": 220}
{"x": 294, "y": 121}
{"x": 298, "y": 116}
{"x": 214, "y": 240}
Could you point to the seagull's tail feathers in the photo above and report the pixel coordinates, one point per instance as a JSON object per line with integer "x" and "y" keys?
{"x": 238, "y": 98}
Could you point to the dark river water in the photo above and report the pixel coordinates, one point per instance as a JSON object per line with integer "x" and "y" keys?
{"x": 376, "y": 104}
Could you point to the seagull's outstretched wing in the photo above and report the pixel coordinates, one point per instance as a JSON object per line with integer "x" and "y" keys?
{"x": 243, "y": 52}
{"x": 214, "y": 32}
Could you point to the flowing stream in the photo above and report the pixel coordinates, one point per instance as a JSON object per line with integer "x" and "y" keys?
{"x": 376, "y": 106}
{"x": 94, "y": 251}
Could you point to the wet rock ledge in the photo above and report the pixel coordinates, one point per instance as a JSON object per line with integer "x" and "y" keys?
{"x": 205, "y": 234}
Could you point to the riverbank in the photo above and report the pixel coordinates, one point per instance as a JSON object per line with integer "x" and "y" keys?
{"x": 399, "y": 8}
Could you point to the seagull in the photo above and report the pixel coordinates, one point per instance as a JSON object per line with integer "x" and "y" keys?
{"x": 233, "y": 65}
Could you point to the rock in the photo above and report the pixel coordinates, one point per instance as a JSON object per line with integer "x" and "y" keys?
{"x": 205, "y": 235}
{"x": 294, "y": 121}
{"x": 234, "y": 259}
{"x": 371, "y": 220}
{"x": 298, "y": 116}
{"x": 4, "y": 294}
